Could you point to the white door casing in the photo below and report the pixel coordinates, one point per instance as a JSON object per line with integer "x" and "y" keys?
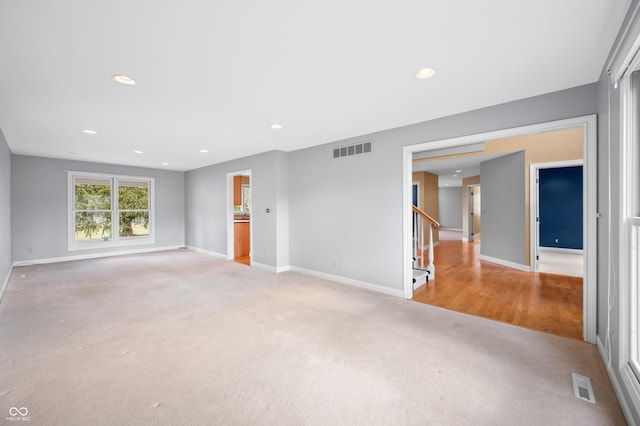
{"x": 589, "y": 126}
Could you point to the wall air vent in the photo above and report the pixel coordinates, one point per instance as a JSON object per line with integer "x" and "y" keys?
{"x": 357, "y": 149}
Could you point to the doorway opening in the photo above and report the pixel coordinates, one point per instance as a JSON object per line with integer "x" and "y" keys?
{"x": 557, "y": 230}
{"x": 239, "y": 222}
{"x": 587, "y": 127}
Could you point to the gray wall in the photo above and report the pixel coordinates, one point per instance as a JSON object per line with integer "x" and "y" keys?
{"x": 503, "y": 208}
{"x": 39, "y": 206}
{"x": 206, "y": 215}
{"x": 6, "y": 257}
{"x": 282, "y": 208}
{"x": 346, "y": 213}
{"x": 450, "y": 207}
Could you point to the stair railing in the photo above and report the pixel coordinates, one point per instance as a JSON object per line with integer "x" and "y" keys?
{"x": 420, "y": 220}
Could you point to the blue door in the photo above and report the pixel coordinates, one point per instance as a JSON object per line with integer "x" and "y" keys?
{"x": 560, "y": 207}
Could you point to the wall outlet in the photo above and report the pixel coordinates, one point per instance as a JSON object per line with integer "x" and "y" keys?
{"x": 335, "y": 263}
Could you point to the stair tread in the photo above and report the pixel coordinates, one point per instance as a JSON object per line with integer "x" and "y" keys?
{"x": 418, "y": 273}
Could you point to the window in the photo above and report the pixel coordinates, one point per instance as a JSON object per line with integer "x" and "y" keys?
{"x": 133, "y": 203}
{"x": 631, "y": 216}
{"x": 92, "y": 209}
{"x": 246, "y": 198}
{"x": 97, "y": 201}
{"x": 629, "y": 235}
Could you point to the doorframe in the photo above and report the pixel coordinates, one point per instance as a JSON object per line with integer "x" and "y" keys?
{"x": 588, "y": 124}
{"x": 470, "y": 237}
{"x": 230, "y": 222}
{"x": 534, "y": 197}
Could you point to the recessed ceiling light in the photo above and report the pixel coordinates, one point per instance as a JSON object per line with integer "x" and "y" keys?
{"x": 123, "y": 79}
{"x": 455, "y": 175}
{"x": 204, "y": 150}
{"x": 165, "y": 164}
{"x": 458, "y": 171}
{"x": 89, "y": 132}
{"x": 276, "y": 126}
{"x": 137, "y": 152}
{"x": 425, "y": 73}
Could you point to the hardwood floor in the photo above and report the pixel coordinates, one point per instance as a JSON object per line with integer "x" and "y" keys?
{"x": 246, "y": 260}
{"x": 543, "y": 302}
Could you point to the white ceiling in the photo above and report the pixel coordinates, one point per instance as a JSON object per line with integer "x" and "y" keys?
{"x": 447, "y": 169}
{"x": 214, "y": 75}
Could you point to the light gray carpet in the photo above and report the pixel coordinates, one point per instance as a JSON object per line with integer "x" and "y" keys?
{"x": 178, "y": 337}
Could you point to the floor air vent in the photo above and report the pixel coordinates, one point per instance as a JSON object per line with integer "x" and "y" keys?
{"x": 582, "y": 388}
{"x": 357, "y": 149}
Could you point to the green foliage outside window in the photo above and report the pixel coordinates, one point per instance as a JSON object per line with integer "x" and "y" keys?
{"x": 134, "y": 223}
{"x": 246, "y": 198}
{"x": 93, "y": 219}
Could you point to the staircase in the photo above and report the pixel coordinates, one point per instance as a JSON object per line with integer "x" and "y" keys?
{"x": 420, "y": 277}
{"x": 422, "y": 222}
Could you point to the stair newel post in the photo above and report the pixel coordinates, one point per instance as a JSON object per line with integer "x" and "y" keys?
{"x": 431, "y": 267}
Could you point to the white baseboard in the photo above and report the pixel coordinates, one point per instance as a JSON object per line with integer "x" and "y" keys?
{"x": 450, "y": 229}
{"x": 5, "y": 283}
{"x": 617, "y": 389}
{"x": 257, "y": 265}
{"x": 349, "y": 281}
{"x": 263, "y": 267}
{"x": 92, "y": 256}
{"x": 329, "y": 277}
{"x": 269, "y": 268}
{"x": 281, "y": 269}
{"x": 506, "y": 263}
{"x": 209, "y": 253}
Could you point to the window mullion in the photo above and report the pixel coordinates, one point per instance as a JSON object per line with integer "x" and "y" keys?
{"x": 115, "y": 217}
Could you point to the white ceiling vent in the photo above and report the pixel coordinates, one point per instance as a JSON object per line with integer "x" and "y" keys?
{"x": 357, "y": 149}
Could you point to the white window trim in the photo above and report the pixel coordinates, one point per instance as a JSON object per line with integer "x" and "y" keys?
{"x": 623, "y": 63}
{"x": 627, "y": 281}
{"x": 115, "y": 240}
